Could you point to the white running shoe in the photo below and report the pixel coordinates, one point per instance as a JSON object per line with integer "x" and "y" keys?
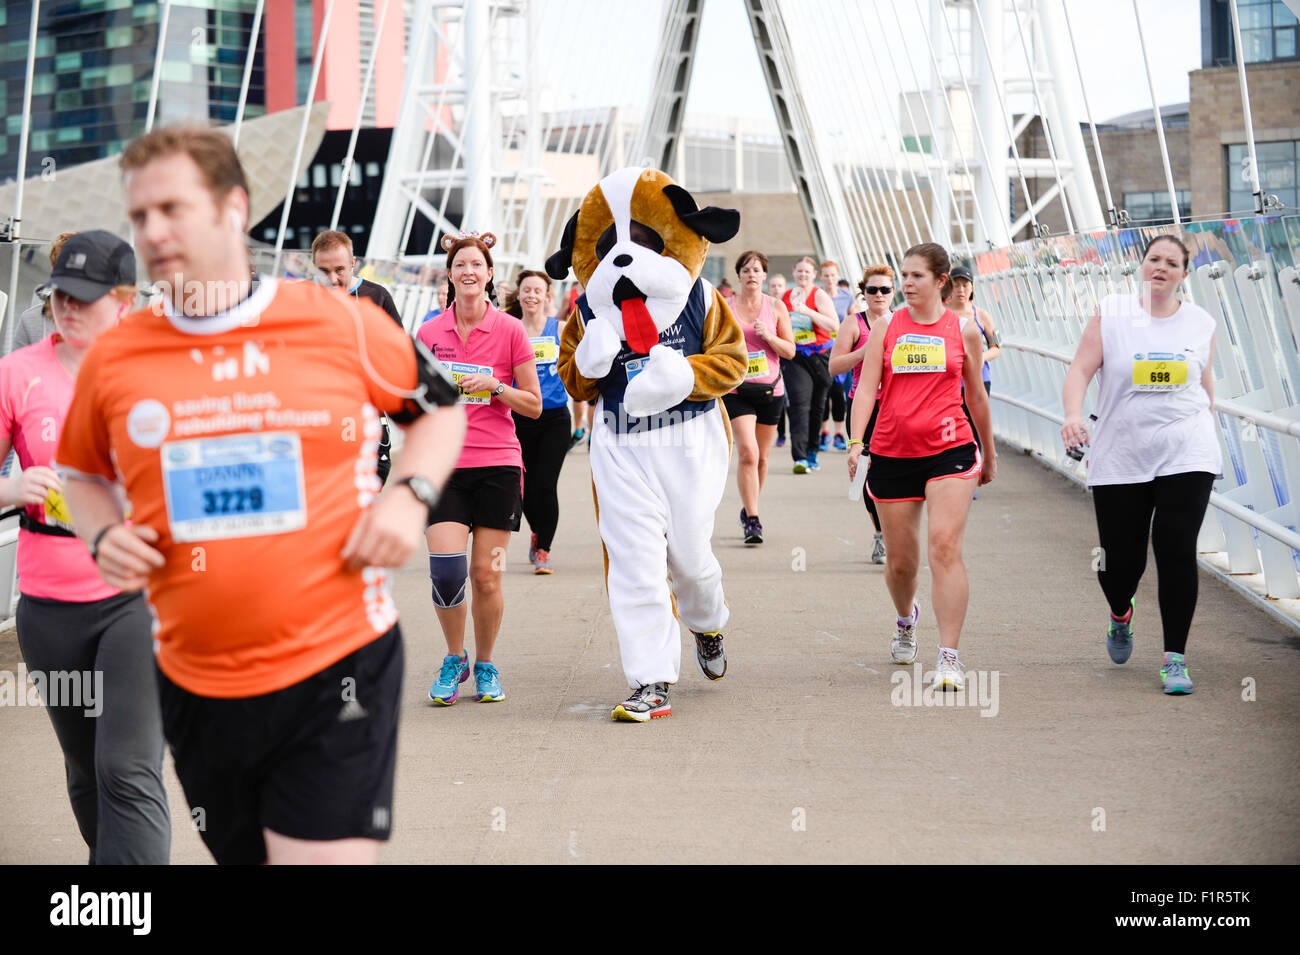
{"x": 949, "y": 673}
{"x": 903, "y": 647}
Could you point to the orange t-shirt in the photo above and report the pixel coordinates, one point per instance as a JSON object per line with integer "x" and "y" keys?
{"x": 248, "y": 440}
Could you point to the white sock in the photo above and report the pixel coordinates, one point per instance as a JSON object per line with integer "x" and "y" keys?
{"x": 948, "y": 652}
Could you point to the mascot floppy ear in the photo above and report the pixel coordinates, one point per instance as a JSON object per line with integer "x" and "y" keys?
{"x": 557, "y": 266}
{"x": 712, "y": 223}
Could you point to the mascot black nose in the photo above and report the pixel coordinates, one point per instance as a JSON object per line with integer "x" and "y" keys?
{"x": 623, "y": 261}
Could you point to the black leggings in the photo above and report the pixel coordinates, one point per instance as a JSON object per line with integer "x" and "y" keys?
{"x": 113, "y": 750}
{"x": 544, "y": 443}
{"x": 866, "y": 443}
{"x": 1170, "y": 510}
{"x": 835, "y": 404}
{"x": 807, "y": 378}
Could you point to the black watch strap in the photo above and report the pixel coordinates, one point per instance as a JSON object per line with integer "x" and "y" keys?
{"x": 94, "y": 545}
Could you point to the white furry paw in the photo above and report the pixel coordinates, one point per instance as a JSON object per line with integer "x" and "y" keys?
{"x": 666, "y": 380}
{"x": 599, "y": 347}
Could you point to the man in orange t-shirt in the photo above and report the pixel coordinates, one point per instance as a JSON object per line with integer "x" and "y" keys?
{"x": 242, "y": 419}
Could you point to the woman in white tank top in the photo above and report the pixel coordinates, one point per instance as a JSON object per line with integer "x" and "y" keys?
{"x": 1155, "y": 453}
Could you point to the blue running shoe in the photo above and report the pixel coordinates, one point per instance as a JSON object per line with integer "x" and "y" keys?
{"x": 1119, "y": 638}
{"x": 454, "y": 672}
{"x": 780, "y": 442}
{"x": 488, "y": 683}
{"x": 824, "y": 444}
{"x": 812, "y": 462}
{"x": 1174, "y": 675}
{"x": 840, "y": 444}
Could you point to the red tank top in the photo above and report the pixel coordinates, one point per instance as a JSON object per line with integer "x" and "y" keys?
{"x": 822, "y": 337}
{"x": 920, "y": 392}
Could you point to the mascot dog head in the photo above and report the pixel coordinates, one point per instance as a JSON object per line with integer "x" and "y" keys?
{"x": 637, "y": 245}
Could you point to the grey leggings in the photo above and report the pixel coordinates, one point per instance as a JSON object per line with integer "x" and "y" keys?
{"x": 114, "y": 758}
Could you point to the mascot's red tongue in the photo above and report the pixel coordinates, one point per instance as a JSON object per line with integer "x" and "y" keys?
{"x": 638, "y": 327}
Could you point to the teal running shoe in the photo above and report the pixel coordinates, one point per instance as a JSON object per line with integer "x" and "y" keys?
{"x": 1119, "y": 638}
{"x": 454, "y": 672}
{"x": 1174, "y": 674}
{"x": 488, "y": 683}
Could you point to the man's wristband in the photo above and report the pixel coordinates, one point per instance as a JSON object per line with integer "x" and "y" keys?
{"x": 853, "y": 441}
{"x": 94, "y": 544}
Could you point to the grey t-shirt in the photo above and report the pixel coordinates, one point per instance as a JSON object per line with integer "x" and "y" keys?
{"x": 32, "y": 327}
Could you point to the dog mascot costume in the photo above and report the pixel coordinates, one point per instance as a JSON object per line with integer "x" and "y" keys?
{"x": 657, "y": 345}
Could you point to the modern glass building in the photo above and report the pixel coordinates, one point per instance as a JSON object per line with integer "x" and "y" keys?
{"x": 94, "y": 64}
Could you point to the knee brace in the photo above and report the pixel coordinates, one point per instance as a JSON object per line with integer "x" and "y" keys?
{"x": 449, "y": 573}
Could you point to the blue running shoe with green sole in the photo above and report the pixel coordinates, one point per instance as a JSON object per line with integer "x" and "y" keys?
{"x": 1174, "y": 675}
{"x": 487, "y": 682}
{"x": 1119, "y": 638}
{"x": 454, "y": 672}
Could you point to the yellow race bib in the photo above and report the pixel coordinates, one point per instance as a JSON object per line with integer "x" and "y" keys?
{"x": 56, "y": 511}
{"x": 546, "y": 350}
{"x": 1159, "y": 371}
{"x": 757, "y": 365}
{"x": 459, "y": 370}
{"x": 914, "y": 354}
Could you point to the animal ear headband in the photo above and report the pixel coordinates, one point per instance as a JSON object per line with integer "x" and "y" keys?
{"x": 487, "y": 238}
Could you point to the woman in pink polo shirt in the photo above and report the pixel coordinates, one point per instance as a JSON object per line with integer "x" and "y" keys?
{"x": 489, "y": 355}
{"x": 88, "y": 645}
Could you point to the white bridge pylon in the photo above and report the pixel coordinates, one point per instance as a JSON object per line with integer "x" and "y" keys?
{"x": 471, "y": 142}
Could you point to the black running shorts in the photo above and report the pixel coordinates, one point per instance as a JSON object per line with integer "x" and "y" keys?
{"x": 314, "y": 760}
{"x": 756, "y": 400}
{"x": 481, "y": 497}
{"x": 904, "y": 479}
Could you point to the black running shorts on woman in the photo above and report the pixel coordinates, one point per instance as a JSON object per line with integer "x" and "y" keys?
{"x": 904, "y": 479}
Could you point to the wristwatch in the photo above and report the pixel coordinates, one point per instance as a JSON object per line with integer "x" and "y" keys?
{"x": 500, "y": 390}
{"x": 422, "y": 488}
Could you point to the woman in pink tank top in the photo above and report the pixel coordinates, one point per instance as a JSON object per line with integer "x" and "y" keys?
{"x": 755, "y": 406}
{"x": 90, "y": 645}
{"x": 923, "y": 456}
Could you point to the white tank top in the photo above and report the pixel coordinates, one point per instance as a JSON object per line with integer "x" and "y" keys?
{"x": 1153, "y": 413}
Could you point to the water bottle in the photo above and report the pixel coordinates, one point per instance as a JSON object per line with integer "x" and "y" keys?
{"x": 859, "y": 480}
{"x": 1075, "y": 454}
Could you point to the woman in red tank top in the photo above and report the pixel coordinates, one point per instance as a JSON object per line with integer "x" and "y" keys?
{"x": 919, "y": 359}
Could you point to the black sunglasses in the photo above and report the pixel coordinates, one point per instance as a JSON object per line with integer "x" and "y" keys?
{"x": 879, "y": 290}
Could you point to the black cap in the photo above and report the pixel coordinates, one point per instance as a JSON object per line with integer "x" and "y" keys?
{"x": 91, "y": 264}
{"x": 962, "y": 272}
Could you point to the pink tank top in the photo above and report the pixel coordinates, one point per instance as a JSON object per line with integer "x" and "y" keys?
{"x": 864, "y": 332}
{"x": 764, "y": 363}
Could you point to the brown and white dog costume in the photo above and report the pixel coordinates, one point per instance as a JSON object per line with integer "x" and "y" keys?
{"x": 656, "y": 345}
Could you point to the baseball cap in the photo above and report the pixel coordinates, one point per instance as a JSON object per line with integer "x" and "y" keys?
{"x": 962, "y": 272}
{"x": 91, "y": 264}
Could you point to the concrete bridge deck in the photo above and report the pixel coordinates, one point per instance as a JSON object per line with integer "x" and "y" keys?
{"x": 801, "y": 754}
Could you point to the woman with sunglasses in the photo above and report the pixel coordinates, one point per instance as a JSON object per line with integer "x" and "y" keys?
{"x": 877, "y": 286}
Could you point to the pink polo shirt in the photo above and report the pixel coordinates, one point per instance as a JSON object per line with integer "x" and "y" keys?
{"x": 35, "y": 393}
{"x": 500, "y": 343}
